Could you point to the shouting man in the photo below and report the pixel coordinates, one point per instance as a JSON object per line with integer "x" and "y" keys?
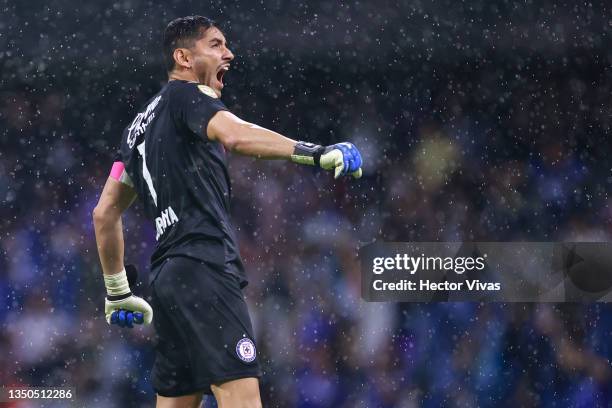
{"x": 172, "y": 157}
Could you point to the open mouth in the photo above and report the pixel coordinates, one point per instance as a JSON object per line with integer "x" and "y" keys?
{"x": 221, "y": 72}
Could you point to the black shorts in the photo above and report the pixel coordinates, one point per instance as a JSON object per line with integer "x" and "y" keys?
{"x": 203, "y": 330}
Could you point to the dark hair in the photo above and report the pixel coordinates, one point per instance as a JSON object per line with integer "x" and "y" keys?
{"x": 182, "y": 33}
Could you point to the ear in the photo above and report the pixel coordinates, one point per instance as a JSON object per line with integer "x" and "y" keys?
{"x": 182, "y": 58}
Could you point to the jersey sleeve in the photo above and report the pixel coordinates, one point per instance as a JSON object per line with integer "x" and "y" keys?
{"x": 195, "y": 105}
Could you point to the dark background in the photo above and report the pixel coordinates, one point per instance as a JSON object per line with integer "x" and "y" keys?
{"x": 478, "y": 120}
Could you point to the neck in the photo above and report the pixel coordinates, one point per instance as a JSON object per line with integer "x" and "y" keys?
{"x": 183, "y": 76}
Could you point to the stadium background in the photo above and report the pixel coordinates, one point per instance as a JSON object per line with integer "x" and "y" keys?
{"x": 478, "y": 121}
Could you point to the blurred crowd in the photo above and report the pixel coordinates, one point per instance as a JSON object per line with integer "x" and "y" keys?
{"x": 477, "y": 122}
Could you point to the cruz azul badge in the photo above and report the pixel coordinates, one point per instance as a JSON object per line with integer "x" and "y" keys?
{"x": 246, "y": 350}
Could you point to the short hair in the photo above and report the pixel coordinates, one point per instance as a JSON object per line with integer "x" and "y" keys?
{"x": 182, "y": 33}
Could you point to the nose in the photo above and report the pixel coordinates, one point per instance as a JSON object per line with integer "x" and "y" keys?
{"x": 228, "y": 55}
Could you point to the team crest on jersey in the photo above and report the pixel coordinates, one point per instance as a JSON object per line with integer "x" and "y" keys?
{"x": 246, "y": 350}
{"x": 206, "y": 90}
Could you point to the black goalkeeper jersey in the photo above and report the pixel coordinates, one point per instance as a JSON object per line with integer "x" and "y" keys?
{"x": 181, "y": 177}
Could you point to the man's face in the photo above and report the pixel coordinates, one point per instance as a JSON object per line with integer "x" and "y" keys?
{"x": 211, "y": 59}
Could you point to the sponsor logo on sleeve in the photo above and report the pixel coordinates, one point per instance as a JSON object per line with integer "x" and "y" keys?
{"x": 140, "y": 123}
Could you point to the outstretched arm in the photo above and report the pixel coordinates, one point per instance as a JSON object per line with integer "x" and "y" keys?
{"x": 249, "y": 139}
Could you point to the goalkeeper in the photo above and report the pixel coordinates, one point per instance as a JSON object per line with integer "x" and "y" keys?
{"x": 172, "y": 157}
